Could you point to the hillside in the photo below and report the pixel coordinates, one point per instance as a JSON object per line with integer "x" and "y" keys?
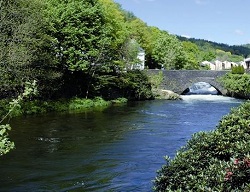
{"x": 242, "y": 50}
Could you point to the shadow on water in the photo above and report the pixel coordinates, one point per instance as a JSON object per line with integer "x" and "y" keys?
{"x": 118, "y": 149}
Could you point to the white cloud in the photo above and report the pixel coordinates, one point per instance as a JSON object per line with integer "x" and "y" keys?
{"x": 239, "y": 32}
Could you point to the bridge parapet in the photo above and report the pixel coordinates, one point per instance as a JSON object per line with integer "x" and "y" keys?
{"x": 179, "y": 80}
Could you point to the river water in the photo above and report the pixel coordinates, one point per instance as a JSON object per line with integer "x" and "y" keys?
{"x": 118, "y": 149}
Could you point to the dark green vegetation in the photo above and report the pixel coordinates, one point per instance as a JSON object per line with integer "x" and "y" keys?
{"x": 218, "y": 160}
{"x": 71, "y": 48}
{"x": 236, "y": 83}
{"x": 219, "y": 50}
{"x": 238, "y": 69}
{"x": 62, "y": 105}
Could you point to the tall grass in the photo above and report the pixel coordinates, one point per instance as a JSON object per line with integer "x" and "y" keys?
{"x": 63, "y": 105}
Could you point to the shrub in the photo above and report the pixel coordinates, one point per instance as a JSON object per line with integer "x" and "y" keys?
{"x": 237, "y": 85}
{"x": 238, "y": 69}
{"x": 135, "y": 85}
{"x": 218, "y": 160}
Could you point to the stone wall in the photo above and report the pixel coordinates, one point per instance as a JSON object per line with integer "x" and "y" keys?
{"x": 179, "y": 80}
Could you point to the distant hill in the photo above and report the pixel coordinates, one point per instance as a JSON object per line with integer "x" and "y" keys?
{"x": 242, "y": 50}
{"x": 247, "y": 45}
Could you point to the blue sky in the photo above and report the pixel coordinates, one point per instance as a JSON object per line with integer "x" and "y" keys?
{"x": 222, "y": 21}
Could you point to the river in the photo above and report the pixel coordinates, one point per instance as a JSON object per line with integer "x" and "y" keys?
{"x": 118, "y": 149}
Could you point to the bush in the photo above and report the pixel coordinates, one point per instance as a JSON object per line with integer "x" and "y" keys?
{"x": 218, "y": 160}
{"x": 135, "y": 85}
{"x": 238, "y": 69}
{"x": 237, "y": 85}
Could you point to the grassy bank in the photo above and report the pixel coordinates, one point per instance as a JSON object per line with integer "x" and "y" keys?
{"x": 63, "y": 105}
{"x": 218, "y": 160}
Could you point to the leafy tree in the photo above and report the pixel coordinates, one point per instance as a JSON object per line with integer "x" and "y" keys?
{"x": 130, "y": 51}
{"x": 193, "y": 55}
{"x": 222, "y": 55}
{"x": 78, "y": 31}
{"x": 236, "y": 58}
{"x": 168, "y": 51}
{"x": 24, "y": 45}
{"x": 208, "y": 55}
{"x": 139, "y": 31}
{"x": 154, "y": 33}
{"x": 115, "y": 26}
{"x": 134, "y": 85}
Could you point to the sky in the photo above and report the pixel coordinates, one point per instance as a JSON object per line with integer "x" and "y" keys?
{"x": 221, "y": 21}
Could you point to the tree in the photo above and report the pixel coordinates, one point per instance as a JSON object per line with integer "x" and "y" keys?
{"x": 168, "y": 52}
{"x": 208, "y": 56}
{"x": 130, "y": 52}
{"x": 81, "y": 33}
{"x": 154, "y": 33}
{"x": 193, "y": 55}
{"x": 24, "y": 45}
{"x": 114, "y": 24}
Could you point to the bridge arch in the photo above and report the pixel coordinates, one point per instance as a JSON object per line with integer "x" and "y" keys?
{"x": 186, "y": 91}
{"x": 179, "y": 80}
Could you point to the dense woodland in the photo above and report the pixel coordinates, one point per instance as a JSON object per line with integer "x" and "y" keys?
{"x": 78, "y": 48}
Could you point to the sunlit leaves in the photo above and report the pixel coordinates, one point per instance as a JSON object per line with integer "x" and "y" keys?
{"x": 236, "y": 84}
{"x": 5, "y": 144}
{"x": 78, "y": 29}
{"x": 168, "y": 51}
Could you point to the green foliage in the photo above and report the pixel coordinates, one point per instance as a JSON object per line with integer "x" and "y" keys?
{"x": 238, "y": 50}
{"x": 168, "y": 52}
{"x": 135, "y": 85}
{"x": 238, "y": 69}
{"x": 238, "y": 85}
{"x": 208, "y": 55}
{"x": 212, "y": 161}
{"x": 193, "y": 55}
{"x": 64, "y": 105}
{"x": 5, "y": 144}
{"x": 79, "y": 32}
{"x": 156, "y": 79}
{"x": 130, "y": 51}
{"x": 227, "y": 56}
{"x": 24, "y": 45}
{"x": 115, "y": 25}
{"x": 83, "y": 104}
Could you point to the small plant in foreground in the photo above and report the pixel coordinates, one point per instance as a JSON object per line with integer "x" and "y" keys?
{"x": 5, "y": 144}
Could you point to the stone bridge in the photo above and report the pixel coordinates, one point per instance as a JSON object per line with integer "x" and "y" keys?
{"x": 179, "y": 80}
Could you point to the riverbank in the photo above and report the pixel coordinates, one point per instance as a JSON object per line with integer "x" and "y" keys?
{"x": 217, "y": 160}
{"x": 62, "y": 105}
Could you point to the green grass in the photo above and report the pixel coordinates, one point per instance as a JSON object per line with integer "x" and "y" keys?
{"x": 63, "y": 105}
